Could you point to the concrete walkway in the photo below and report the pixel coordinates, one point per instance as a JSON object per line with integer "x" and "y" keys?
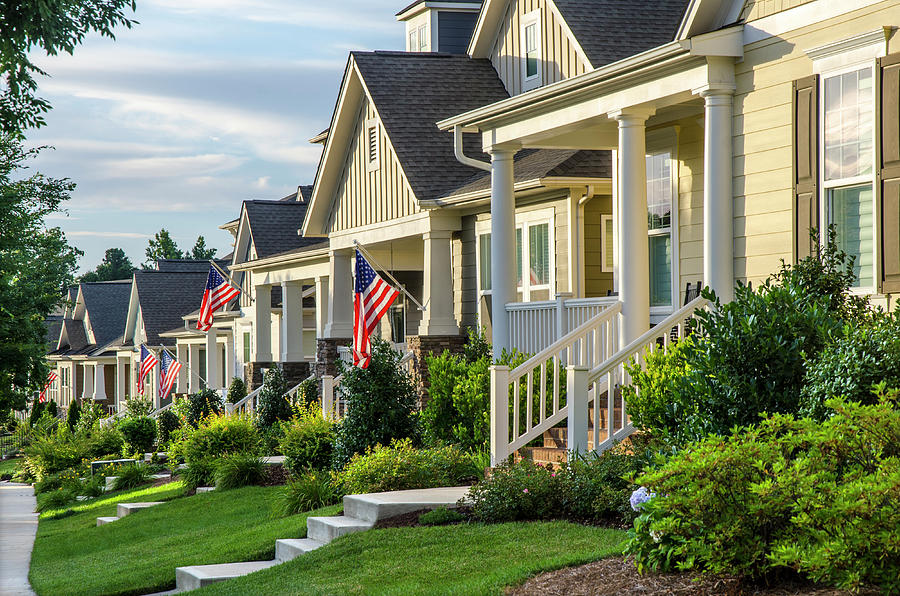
{"x": 18, "y": 526}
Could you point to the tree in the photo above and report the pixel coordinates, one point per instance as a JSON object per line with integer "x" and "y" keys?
{"x": 161, "y": 246}
{"x": 36, "y": 265}
{"x": 54, "y": 27}
{"x": 115, "y": 265}
{"x": 200, "y": 252}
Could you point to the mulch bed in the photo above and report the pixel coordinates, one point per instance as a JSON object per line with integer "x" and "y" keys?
{"x": 620, "y": 577}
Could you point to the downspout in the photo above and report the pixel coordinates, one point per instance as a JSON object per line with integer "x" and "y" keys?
{"x": 461, "y": 157}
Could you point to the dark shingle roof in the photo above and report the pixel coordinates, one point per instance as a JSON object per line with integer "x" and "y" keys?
{"x": 76, "y": 335}
{"x": 188, "y": 265}
{"x": 305, "y": 193}
{"x": 531, "y": 164}
{"x": 165, "y": 297}
{"x": 610, "y": 30}
{"x": 54, "y": 325}
{"x": 107, "y": 307}
{"x": 274, "y": 226}
{"x": 417, "y": 2}
{"x": 412, "y": 91}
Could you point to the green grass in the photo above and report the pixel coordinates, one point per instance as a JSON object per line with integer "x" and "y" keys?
{"x": 139, "y": 553}
{"x": 84, "y": 514}
{"x": 9, "y": 465}
{"x": 465, "y": 559}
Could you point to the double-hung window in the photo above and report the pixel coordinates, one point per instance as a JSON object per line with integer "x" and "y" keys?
{"x": 418, "y": 39}
{"x": 660, "y": 200}
{"x": 531, "y": 50}
{"x": 534, "y": 261}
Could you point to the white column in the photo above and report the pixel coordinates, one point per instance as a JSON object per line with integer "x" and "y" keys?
{"x": 438, "y": 317}
{"x": 321, "y": 305}
{"x": 291, "y": 321}
{"x": 87, "y": 382}
{"x": 634, "y": 253}
{"x": 503, "y": 246}
{"x": 230, "y": 357}
{"x": 213, "y": 377}
{"x": 183, "y": 355}
{"x": 194, "y": 374}
{"x": 262, "y": 324}
{"x": 121, "y": 380}
{"x": 718, "y": 200}
{"x": 576, "y": 243}
{"x": 99, "y": 381}
{"x": 340, "y": 297}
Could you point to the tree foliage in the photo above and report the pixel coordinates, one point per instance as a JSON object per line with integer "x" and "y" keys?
{"x": 54, "y": 27}
{"x": 36, "y": 264}
{"x": 114, "y": 266}
{"x": 161, "y": 246}
{"x": 201, "y": 252}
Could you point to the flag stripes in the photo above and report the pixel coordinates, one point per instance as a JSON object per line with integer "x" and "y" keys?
{"x": 148, "y": 362}
{"x": 169, "y": 368}
{"x": 217, "y": 294}
{"x": 372, "y": 299}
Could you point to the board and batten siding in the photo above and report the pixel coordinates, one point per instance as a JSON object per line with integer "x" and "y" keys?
{"x": 757, "y": 9}
{"x": 560, "y": 56}
{"x": 763, "y": 135}
{"x": 366, "y": 197}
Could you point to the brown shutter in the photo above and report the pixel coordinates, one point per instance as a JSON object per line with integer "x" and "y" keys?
{"x": 806, "y": 156}
{"x": 888, "y": 130}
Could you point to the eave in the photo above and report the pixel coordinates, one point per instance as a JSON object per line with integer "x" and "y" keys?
{"x": 285, "y": 259}
{"x": 480, "y": 197}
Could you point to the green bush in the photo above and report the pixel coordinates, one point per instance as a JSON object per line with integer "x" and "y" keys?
{"x": 816, "y": 497}
{"x": 73, "y": 414}
{"x": 272, "y": 403}
{"x": 308, "y": 441}
{"x": 307, "y": 395}
{"x": 139, "y": 434}
{"x": 37, "y": 410}
{"x": 401, "y": 466}
{"x": 57, "y": 499}
{"x": 380, "y": 400}
{"x": 307, "y": 491}
{"x": 166, "y": 423}
{"x": 52, "y": 409}
{"x": 137, "y": 407}
{"x": 237, "y": 470}
{"x": 132, "y": 476}
{"x": 222, "y": 435}
{"x": 199, "y": 472}
{"x": 237, "y": 390}
{"x": 440, "y": 416}
{"x": 441, "y": 517}
{"x": 857, "y": 359}
{"x": 48, "y": 483}
{"x": 47, "y": 454}
{"x": 203, "y": 404}
{"x": 101, "y": 441}
{"x": 517, "y": 492}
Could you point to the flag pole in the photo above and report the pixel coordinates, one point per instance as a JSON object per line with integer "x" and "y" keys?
{"x": 229, "y": 278}
{"x": 366, "y": 254}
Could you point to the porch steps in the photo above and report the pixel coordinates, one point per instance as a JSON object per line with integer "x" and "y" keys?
{"x": 554, "y": 450}
{"x": 124, "y": 509}
{"x": 361, "y": 512}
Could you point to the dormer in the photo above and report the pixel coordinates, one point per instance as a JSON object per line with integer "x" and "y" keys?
{"x": 439, "y": 26}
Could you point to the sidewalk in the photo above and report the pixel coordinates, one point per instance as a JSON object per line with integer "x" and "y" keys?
{"x": 18, "y": 525}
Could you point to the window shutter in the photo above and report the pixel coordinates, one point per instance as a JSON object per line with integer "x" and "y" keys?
{"x": 888, "y": 86}
{"x": 806, "y": 157}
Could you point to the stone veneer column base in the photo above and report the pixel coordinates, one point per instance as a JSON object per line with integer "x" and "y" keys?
{"x": 327, "y": 355}
{"x": 420, "y": 345}
{"x": 294, "y": 372}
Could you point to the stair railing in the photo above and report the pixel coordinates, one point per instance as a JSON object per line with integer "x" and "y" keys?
{"x": 247, "y": 405}
{"x": 333, "y": 407}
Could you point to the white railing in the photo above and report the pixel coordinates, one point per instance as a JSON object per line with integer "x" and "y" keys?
{"x": 155, "y": 413}
{"x": 539, "y": 382}
{"x": 247, "y": 405}
{"x": 292, "y": 392}
{"x": 587, "y": 380}
{"x": 533, "y": 326}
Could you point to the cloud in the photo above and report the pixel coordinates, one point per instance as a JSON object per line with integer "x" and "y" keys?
{"x": 94, "y": 234}
{"x": 148, "y": 167}
{"x": 263, "y": 181}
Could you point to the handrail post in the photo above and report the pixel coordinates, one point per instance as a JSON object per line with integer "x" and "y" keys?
{"x": 328, "y": 397}
{"x": 577, "y": 400}
{"x": 560, "y": 317}
{"x": 499, "y": 413}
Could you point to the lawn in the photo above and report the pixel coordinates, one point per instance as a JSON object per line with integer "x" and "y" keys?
{"x": 139, "y": 553}
{"x": 8, "y": 466}
{"x": 465, "y": 559}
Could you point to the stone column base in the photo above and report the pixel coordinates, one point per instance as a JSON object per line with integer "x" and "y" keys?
{"x": 327, "y": 355}
{"x": 420, "y": 346}
{"x": 253, "y": 374}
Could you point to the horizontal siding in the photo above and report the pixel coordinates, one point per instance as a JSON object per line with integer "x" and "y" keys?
{"x": 465, "y": 292}
{"x": 690, "y": 204}
{"x": 596, "y": 282}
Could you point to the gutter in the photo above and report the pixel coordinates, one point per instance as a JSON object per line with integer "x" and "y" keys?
{"x": 281, "y": 259}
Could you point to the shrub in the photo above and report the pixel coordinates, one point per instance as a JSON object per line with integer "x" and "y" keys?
{"x": 50, "y": 453}
{"x": 308, "y": 441}
{"x": 203, "y": 404}
{"x": 101, "y": 441}
{"x": 199, "y": 472}
{"x": 52, "y": 409}
{"x": 93, "y": 486}
{"x": 817, "y": 497}
{"x": 132, "y": 476}
{"x": 73, "y": 414}
{"x": 440, "y": 416}
{"x": 518, "y": 491}
{"x": 237, "y": 390}
{"x": 272, "y": 404}
{"x": 37, "y": 410}
{"x": 47, "y": 484}
{"x": 165, "y": 425}
{"x": 139, "y": 434}
{"x": 380, "y": 399}
{"x": 307, "y": 394}
{"x": 237, "y": 470}
{"x": 401, "y": 467}
{"x": 136, "y": 407}
{"x": 56, "y": 499}
{"x": 307, "y": 491}
{"x": 597, "y": 487}
{"x": 91, "y": 413}
{"x": 441, "y": 517}
{"x": 222, "y": 435}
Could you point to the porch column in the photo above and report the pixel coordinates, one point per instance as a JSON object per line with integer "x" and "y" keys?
{"x": 87, "y": 380}
{"x": 340, "y": 297}
{"x": 194, "y": 364}
{"x": 321, "y": 305}
{"x": 212, "y": 361}
{"x": 503, "y": 246}
{"x": 634, "y": 252}
{"x": 291, "y": 321}
{"x": 718, "y": 200}
{"x": 229, "y": 359}
{"x": 438, "y": 317}
{"x": 99, "y": 382}
{"x": 262, "y": 324}
{"x": 183, "y": 355}
{"x": 121, "y": 380}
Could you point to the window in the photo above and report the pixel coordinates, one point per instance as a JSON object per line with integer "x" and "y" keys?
{"x": 397, "y": 320}
{"x": 484, "y": 258}
{"x": 413, "y": 45}
{"x": 418, "y": 39}
{"x": 531, "y": 50}
{"x": 659, "y": 227}
{"x": 246, "y": 347}
{"x": 201, "y": 355}
{"x": 607, "y": 248}
{"x": 372, "y": 145}
{"x": 423, "y": 38}
{"x": 848, "y": 163}
{"x": 534, "y": 239}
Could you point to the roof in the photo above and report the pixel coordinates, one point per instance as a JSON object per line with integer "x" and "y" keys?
{"x": 417, "y": 2}
{"x": 165, "y": 297}
{"x": 411, "y": 92}
{"x": 275, "y": 226}
{"x": 531, "y": 164}
{"x": 107, "y": 307}
{"x": 54, "y": 324}
{"x": 304, "y": 193}
{"x": 77, "y": 344}
{"x": 188, "y": 265}
{"x": 610, "y": 30}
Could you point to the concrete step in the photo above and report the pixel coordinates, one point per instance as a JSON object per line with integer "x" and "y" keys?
{"x": 197, "y": 576}
{"x": 102, "y": 521}
{"x": 377, "y": 506}
{"x": 287, "y": 549}
{"x": 124, "y": 509}
{"x": 205, "y": 489}
{"x": 326, "y": 529}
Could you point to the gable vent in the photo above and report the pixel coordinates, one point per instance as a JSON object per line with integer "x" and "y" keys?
{"x": 372, "y": 144}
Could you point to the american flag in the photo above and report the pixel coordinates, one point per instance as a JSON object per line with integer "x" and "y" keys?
{"x": 371, "y": 300}
{"x": 148, "y": 362}
{"x": 218, "y": 293}
{"x": 50, "y": 378}
{"x": 168, "y": 368}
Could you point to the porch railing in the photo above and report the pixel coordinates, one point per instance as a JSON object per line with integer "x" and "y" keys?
{"x": 534, "y": 326}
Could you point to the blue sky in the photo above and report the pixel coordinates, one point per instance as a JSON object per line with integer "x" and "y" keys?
{"x": 203, "y": 104}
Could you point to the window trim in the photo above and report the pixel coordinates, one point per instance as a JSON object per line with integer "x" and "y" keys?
{"x": 666, "y": 141}
{"x": 536, "y": 80}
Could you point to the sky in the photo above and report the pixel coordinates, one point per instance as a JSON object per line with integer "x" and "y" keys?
{"x": 203, "y": 104}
